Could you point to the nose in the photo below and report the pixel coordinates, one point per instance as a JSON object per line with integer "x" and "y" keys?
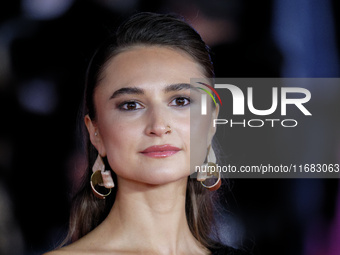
{"x": 158, "y": 123}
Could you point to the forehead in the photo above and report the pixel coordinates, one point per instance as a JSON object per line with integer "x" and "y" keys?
{"x": 149, "y": 66}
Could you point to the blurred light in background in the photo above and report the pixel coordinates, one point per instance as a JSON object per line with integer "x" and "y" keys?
{"x": 38, "y": 96}
{"x": 45, "y": 9}
{"x": 304, "y": 31}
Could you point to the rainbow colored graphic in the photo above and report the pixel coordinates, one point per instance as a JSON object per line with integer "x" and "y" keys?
{"x": 213, "y": 90}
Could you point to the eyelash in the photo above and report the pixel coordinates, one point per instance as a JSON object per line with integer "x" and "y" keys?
{"x": 123, "y": 106}
{"x": 182, "y": 98}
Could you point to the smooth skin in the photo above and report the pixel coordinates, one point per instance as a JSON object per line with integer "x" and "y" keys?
{"x": 142, "y": 91}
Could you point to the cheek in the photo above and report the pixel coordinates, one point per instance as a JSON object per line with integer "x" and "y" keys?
{"x": 117, "y": 134}
{"x": 120, "y": 143}
{"x": 199, "y": 139}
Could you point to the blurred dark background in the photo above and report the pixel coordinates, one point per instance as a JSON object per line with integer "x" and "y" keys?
{"x": 45, "y": 46}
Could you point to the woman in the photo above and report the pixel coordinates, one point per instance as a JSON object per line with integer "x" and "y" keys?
{"x": 138, "y": 101}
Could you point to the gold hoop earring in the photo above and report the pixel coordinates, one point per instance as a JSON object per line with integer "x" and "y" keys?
{"x": 101, "y": 180}
{"x": 209, "y": 171}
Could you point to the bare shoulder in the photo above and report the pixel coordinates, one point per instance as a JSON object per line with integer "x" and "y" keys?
{"x": 74, "y": 250}
{"x": 60, "y": 252}
{"x": 90, "y": 244}
{"x": 67, "y": 251}
{"x": 78, "y": 247}
{"x": 83, "y": 246}
{"x": 71, "y": 249}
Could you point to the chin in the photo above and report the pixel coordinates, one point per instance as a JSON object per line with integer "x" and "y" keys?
{"x": 165, "y": 177}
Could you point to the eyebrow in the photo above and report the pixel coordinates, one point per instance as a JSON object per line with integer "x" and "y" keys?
{"x": 177, "y": 87}
{"x": 127, "y": 90}
{"x": 139, "y": 91}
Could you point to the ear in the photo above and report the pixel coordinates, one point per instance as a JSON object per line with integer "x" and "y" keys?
{"x": 212, "y": 129}
{"x": 95, "y": 136}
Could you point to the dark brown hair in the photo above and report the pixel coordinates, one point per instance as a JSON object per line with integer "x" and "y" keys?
{"x": 155, "y": 30}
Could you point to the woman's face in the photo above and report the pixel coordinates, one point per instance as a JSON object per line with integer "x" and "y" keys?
{"x": 143, "y": 102}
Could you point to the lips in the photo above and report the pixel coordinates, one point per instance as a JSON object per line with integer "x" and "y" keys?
{"x": 160, "y": 151}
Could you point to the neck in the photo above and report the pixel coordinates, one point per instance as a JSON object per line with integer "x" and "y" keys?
{"x": 152, "y": 218}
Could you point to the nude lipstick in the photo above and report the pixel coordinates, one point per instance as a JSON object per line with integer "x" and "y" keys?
{"x": 160, "y": 151}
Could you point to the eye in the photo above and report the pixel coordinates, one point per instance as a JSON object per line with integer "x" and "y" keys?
{"x": 130, "y": 106}
{"x": 180, "y": 101}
